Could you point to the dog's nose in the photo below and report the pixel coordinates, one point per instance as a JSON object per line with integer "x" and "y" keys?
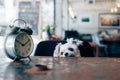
{"x": 66, "y": 54}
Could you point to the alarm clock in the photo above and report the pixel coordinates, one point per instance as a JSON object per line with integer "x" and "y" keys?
{"x": 18, "y": 43}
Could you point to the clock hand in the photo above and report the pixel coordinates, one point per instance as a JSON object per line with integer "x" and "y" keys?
{"x": 26, "y": 42}
{"x": 19, "y": 42}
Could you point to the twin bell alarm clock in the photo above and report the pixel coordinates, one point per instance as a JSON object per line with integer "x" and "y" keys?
{"x": 18, "y": 43}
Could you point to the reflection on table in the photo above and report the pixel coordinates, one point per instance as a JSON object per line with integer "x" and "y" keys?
{"x": 62, "y": 69}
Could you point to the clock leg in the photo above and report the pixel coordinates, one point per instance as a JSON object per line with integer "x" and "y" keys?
{"x": 26, "y": 60}
{"x": 29, "y": 58}
{"x": 15, "y": 59}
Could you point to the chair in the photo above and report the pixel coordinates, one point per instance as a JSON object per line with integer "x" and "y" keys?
{"x": 86, "y": 37}
{"x": 102, "y": 49}
{"x": 71, "y": 34}
{"x": 86, "y": 50}
{"x": 46, "y": 48}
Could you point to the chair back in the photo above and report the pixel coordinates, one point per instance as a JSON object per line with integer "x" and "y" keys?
{"x": 46, "y": 48}
{"x": 71, "y": 34}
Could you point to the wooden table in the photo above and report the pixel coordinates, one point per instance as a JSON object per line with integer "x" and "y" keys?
{"x": 61, "y": 69}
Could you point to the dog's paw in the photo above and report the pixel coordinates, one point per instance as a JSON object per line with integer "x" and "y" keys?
{"x": 57, "y": 50}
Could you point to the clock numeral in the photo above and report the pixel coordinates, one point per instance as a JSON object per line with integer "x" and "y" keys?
{"x": 19, "y": 52}
{"x": 26, "y": 51}
{"x": 28, "y": 48}
{"x": 29, "y": 44}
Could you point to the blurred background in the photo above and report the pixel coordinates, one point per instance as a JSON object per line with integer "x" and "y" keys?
{"x": 96, "y": 21}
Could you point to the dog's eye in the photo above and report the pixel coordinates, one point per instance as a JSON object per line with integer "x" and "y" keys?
{"x": 61, "y": 53}
{"x": 71, "y": 49}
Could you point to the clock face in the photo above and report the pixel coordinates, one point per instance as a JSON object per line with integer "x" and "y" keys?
{"x": 23, "y": 45}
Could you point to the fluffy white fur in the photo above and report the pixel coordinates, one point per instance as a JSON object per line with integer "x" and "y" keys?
{"x": 69, "y": 49}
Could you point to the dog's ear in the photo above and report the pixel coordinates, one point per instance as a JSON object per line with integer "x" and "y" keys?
{"x": 57, "y": 50}
{"x": 79, "y": 42}
{"x": 75, "y": 41}
{"x": 70, "y": 40}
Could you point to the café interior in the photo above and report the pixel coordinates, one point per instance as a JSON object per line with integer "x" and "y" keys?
{"x": 38, "y": 39}
{"x": 94, "y": 21}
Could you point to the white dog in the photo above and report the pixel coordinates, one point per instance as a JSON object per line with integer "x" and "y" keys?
{"x": 69, "y": 49}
